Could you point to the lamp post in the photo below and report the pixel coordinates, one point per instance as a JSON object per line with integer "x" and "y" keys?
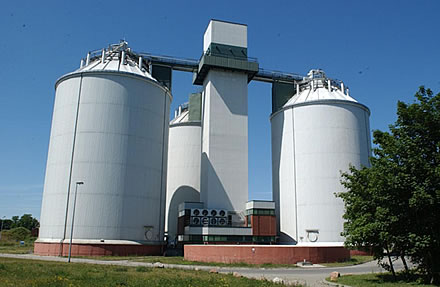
{"x": 1, "y": 228}
{"x": 73, "y": 218}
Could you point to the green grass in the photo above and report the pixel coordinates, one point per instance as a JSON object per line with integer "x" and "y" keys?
{"x": 354, "y": 260}
{"x": 19, "y": 272}
{"x": 15, "y": 247}
{"x": 181, "y": 261}
{"x": 380, "y": 280}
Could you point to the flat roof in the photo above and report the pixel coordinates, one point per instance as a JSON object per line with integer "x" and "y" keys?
{"x": 230, "y": 22}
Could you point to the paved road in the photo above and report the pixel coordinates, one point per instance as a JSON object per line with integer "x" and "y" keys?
{"x": 309, "y": 276}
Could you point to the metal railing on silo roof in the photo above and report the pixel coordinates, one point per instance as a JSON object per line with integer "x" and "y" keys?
{"x": 192, "y": 65}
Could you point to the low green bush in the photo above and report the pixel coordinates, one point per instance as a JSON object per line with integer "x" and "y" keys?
{"x": 16, "y": 234}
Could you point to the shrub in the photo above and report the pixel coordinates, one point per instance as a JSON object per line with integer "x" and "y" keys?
{"x": 17, "y": 234}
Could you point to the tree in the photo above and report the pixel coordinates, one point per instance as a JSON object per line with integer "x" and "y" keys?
{"x": 394, "y": 205}
{"x": 7, "y": 223}
{"x": 15, "y": 221}
{"x": 26, "y": 221}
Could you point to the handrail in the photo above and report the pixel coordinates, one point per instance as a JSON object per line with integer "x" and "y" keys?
{"x": 191, "y": 65}
{"x": 272, "y": 76}
{"x": 249, "y": 59}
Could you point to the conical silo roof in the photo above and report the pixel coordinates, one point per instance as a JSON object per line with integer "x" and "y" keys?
{"x": 317, "y": 87}
{"x": 183, "y": 117}
{"x": 116, "y": 58}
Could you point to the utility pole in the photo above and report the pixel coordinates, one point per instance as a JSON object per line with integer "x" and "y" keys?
{"x": 1, "y": 228}
{"x": 73, "y": 218}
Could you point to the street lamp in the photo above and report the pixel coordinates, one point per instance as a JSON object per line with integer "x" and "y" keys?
{"x": 73, "y": 217}
{"x": 1, "y": 228}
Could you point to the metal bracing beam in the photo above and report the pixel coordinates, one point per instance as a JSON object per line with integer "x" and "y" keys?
{"x": 277, "y": 76}
{"x": 192, "y": 65}
{"x": 178, "y": 64}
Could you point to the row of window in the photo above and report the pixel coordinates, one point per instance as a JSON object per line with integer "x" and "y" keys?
{"x": 230, "y": 238}
{"x": 260, "y": 212}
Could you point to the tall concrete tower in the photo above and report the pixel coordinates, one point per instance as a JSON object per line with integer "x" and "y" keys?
{"x": 224, "y": 71}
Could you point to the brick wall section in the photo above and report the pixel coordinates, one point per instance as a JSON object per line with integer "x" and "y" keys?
{"x": 361, "y": 252}
{"x": 55, "y": 249}
{"x": 264, "y": 225}
{"x": 260, "y": 254}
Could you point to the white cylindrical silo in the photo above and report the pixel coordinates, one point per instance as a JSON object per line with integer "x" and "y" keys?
{"x": 184, "y": 159}
{"x": 110, "y": 131}
{"x": 317, "y": 134}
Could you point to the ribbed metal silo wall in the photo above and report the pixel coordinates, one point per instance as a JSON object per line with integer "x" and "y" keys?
{"x": 115, "y": 128}
{"x": 283, "y": 170}
{"x": 183, "y": 180}
{"x": 312, "y": 143}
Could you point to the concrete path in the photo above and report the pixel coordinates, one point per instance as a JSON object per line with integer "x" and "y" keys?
{"x": 309, "y": 276}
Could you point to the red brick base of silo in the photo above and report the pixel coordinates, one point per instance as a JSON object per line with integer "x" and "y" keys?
{"x": 260, "y": 254}
{"x": 58, "y": 249}
{"x": 355, "y": 252}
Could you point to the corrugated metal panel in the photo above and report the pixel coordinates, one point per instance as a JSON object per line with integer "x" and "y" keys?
{"x": 120, "y": 153}
{"x": 183, "y": 183}
{"x": 195, "y": 107}
{"x": 281, "y": 93}
{"x": 311, "y": 144}
{"x": 224, "y": 181}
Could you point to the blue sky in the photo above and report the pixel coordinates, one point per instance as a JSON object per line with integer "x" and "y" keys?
{"x": 383, "y": 50}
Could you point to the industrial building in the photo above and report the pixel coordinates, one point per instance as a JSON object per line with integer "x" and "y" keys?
{"x": 123, "y": 179}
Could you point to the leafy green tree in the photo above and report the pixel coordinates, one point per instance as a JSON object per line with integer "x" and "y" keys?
{"x": 394, "y": 205}
{"x": 15, "y": 221}
{"x": 26, "y": 221}
{"x": 7, "y": 223}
